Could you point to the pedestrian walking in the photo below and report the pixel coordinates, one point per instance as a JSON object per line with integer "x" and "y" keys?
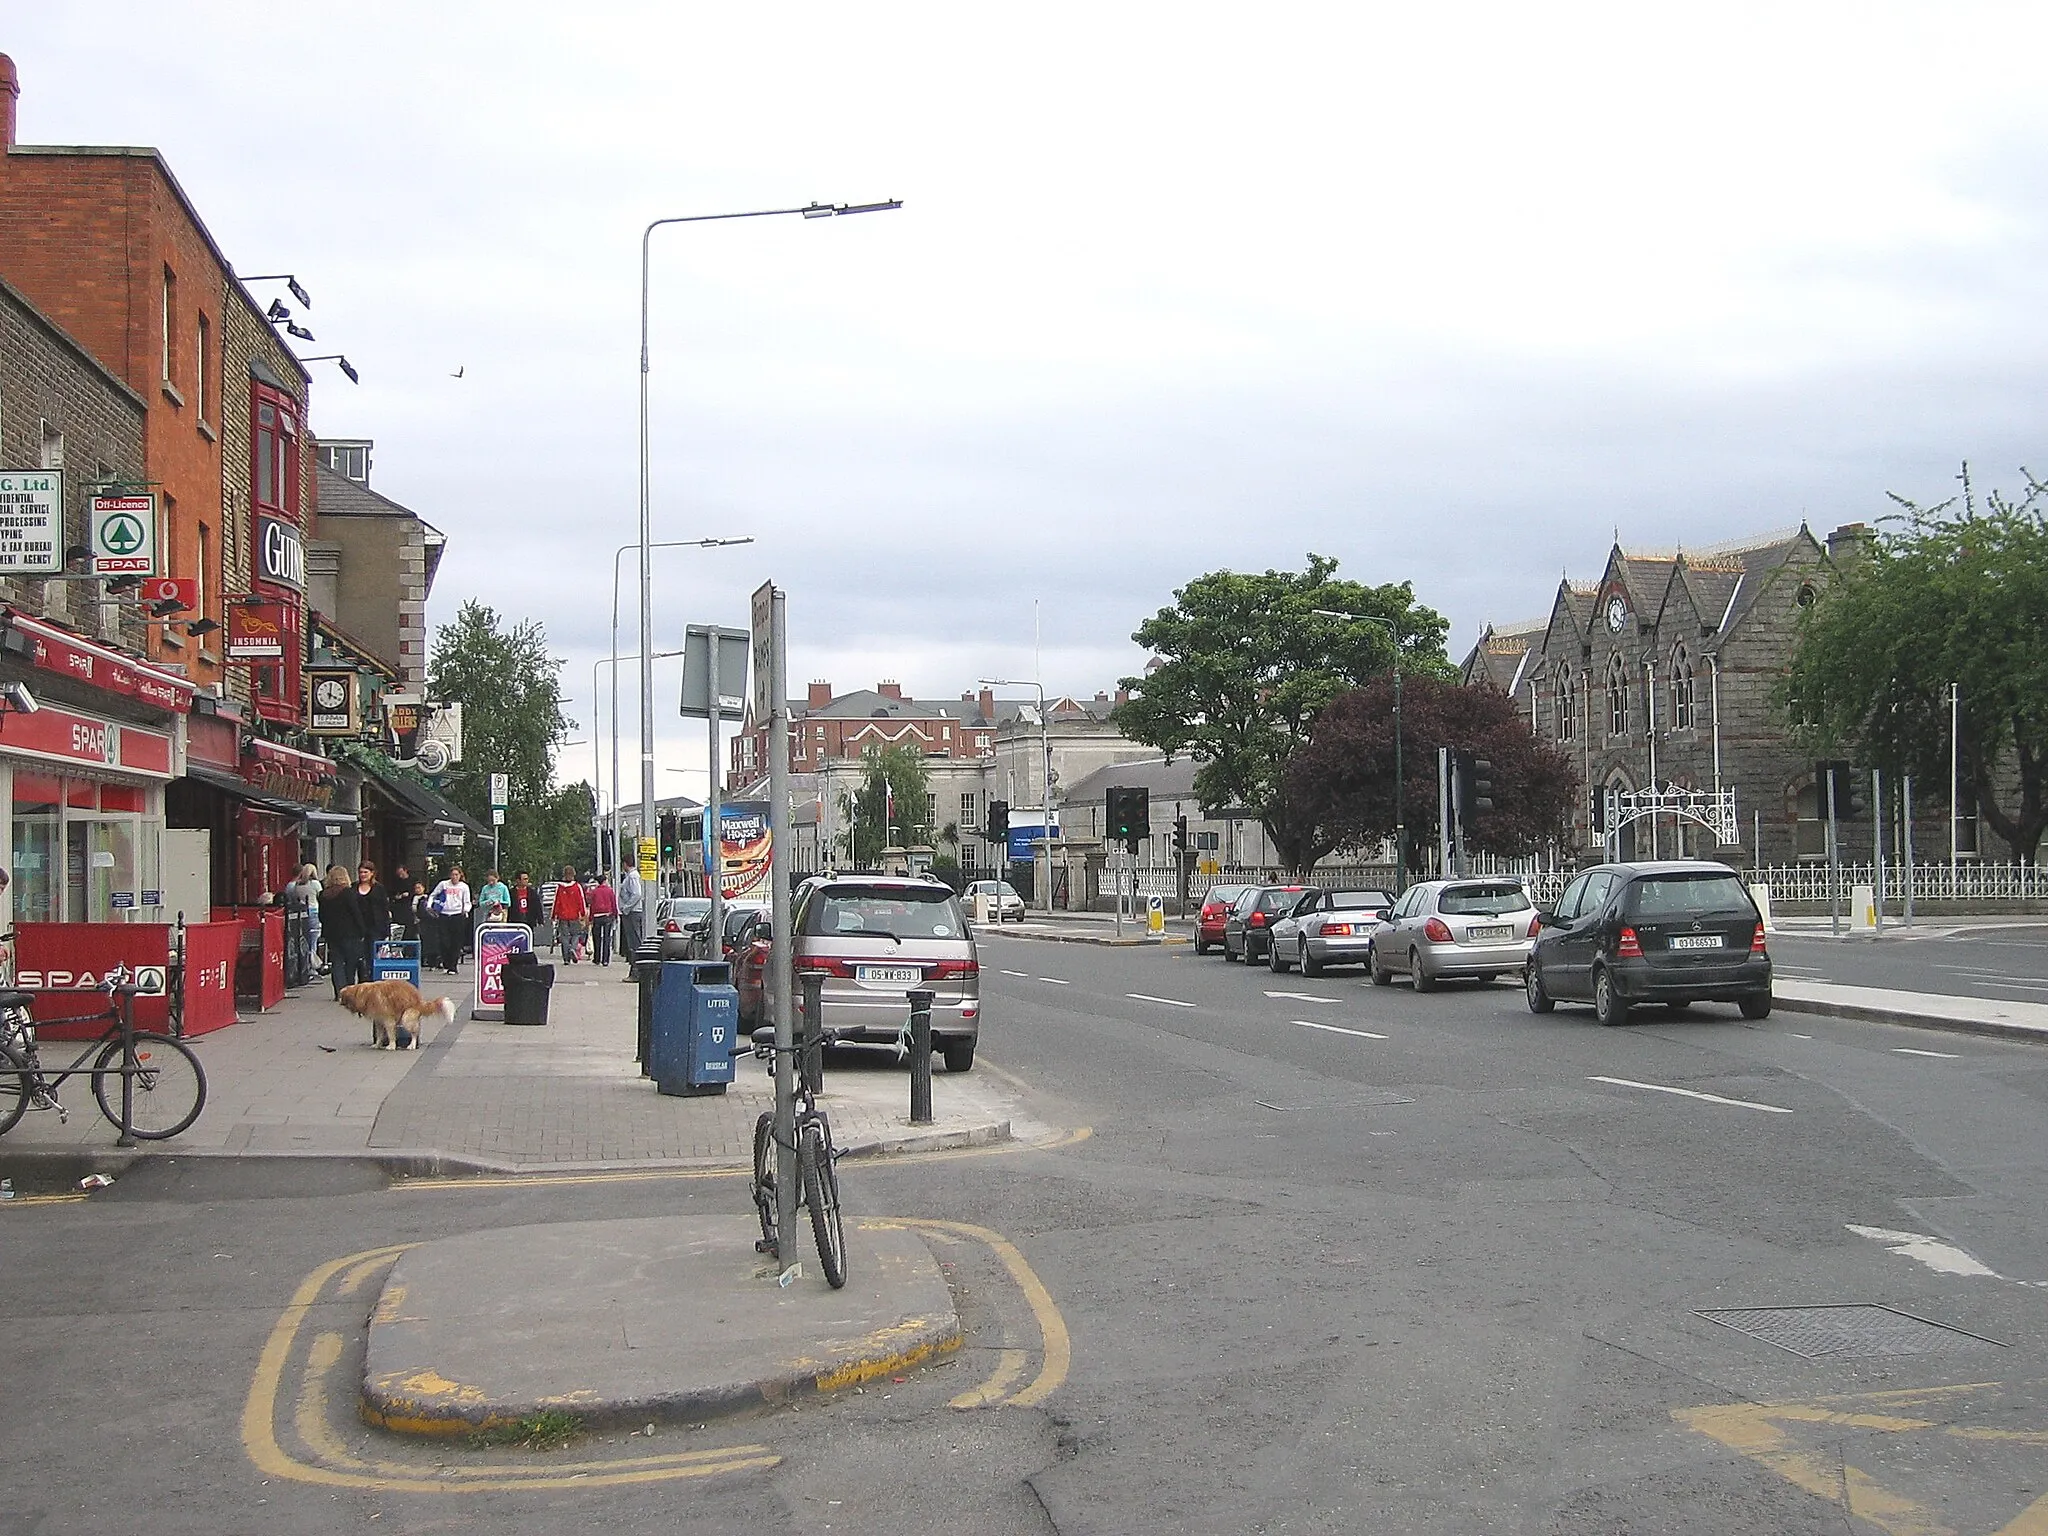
{"x": 450, "y": 904}
{"x": 375, "y": 903}
{"x": 632, "y": 912}
{"x": 398, "y": 901}
{"x": 341, "y": 922}
{"x": 604, "y": 917}
{"x": 493, "y": 899}
{"x": 305, "y": 891}
{"x": 524, "y": 906}
{"x": 572, "y": 914}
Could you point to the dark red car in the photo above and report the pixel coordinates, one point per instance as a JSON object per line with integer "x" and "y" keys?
{"x": 1209, "y": 921}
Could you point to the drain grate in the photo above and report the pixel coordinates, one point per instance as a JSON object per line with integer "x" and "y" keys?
{"x": 1847, "y": 1332}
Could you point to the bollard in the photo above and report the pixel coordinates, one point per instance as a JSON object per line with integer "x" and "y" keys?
{"x": 812, "y": 1020}
{"x": 921, "y": 1056}
{"x": 647, "y": 971}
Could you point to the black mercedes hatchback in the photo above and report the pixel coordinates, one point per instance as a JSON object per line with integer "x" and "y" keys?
{"x": 1676, "y": 934}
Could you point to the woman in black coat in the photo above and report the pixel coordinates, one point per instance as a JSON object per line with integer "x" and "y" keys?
{"x": 344, "y": 931}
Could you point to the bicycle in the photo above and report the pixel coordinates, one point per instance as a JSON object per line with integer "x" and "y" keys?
{"x": 816, "y": 1161}
{"x": 162, "y": 1087}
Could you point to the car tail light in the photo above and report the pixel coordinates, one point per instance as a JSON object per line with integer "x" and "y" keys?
{"x": 1756, "y": 941}
{"x": 953, "y": 970}
{"x": 1336, "y": 930}
{"x": 831, "y": 965}
{"x": 1256, "y": 920}
{"x": 1534, "y": 927}
{"x": 1629, "y": 946}
{"x": 671, "y": 926}
{"x": 1437, "y": 931}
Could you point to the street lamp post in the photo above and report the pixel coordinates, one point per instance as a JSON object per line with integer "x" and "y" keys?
{"x": 1400, "y": 804}
{"x": 646, "y": 545}
{"x": 1045, "y": 742}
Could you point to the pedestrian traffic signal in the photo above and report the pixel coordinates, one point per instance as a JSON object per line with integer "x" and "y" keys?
{"x": 998, "y": 828}
{"x": 1471, "y": 785}
{"x": 1128, "y": 813}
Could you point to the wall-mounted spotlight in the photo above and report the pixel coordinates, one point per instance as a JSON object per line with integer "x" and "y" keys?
{"x": 277, "y": 312}
{"x": 337, "y": 358}
{"x": 201, "y": 627}
{"x": 15, "y": 696}
{"x": 289, "y": 281}
{"x": 123, "y": 583}
{"x": 293, "y": 328}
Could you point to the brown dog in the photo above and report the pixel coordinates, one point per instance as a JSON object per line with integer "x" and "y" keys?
{"x": 396, "y": 1011}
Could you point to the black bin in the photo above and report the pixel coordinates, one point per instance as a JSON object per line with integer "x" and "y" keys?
{"x": 527, "y": 984}
{"x": 647, "y": 971}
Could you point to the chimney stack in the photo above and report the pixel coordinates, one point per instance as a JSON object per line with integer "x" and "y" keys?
{"x": 821, "y": 695}
{"x": 890, "y": 690}
{"x": 10, "y": 92}
{"x": 987, "y": 705}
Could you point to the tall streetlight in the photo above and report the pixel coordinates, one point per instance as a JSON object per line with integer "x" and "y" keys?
{"x": 1400, "y": 804}
{"x": 810, "y": 211}
{"x": 1045, "y": 741}
{"x": 612, "y": 661}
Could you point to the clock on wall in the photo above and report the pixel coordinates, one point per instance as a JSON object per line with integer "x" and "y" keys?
{"x": 330, "y": 693}
{"x": 1617, "y": 613}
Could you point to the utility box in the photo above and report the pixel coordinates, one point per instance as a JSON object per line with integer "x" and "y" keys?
{"x": 395, "y": 960}
{"x": 694, "y": 1027}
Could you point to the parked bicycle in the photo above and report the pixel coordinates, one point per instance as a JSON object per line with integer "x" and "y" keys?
{"x": 816, "y": 1162}
{"x": 147, "y": 1084}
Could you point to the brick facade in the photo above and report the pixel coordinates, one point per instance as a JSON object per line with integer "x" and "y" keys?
{"x": 55, "y": 396}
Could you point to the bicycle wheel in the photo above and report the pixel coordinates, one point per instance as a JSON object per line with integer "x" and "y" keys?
{"x": 17, "y": 1087}
{"x": 170, "y": 1085}
{"x": 821, "y": 1194}
{"x": 764, "y": 1180}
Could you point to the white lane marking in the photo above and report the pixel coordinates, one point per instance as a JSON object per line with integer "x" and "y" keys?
{"x": 1025, "y": 974}
{"x": 1704, "y": 1098}
{"x": 1171, "y": 1002}
{"x": 1943, "y": 1258}
{"x": 1798, "y": 1037}
{"x": 1907, "y": 1050}
{"x": 1304, "y": 997}
{"x": 1057, "y": 982}
{"x": 1337, "y": 1029}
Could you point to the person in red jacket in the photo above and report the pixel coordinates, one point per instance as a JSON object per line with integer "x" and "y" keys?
{"x": 604, "y": 917}
{"x": 572, "y": 915}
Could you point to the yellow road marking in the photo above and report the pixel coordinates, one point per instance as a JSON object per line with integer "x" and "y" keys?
{"x": 1754, "y": 1430}
{"x": 46, "y": 1200}
{"x": 341, "y": 1469}
{"x": 1057, "y": 1348}
{"x": 1009, "y": 1367}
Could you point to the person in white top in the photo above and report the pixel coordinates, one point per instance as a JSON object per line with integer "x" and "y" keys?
{"x": 450, "y": 906}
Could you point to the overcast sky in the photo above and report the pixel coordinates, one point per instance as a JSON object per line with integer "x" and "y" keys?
{"x": 1448, "y": 292}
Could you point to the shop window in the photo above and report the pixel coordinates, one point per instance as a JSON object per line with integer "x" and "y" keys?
{"x": 38, "y": 811}
{"x": 82, "y": 794}
{"x": 121, "y": 797}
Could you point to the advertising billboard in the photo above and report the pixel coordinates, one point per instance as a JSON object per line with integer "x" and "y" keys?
{"x": 744, "y": 855}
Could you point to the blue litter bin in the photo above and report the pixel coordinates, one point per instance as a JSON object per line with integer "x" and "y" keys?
{"x": 695, "y": 1024}
{"x": 395, "y": 960}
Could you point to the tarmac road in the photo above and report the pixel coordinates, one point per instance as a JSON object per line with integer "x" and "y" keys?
{"x": 2006, "y": 961}
{"x": 1338, "y": 1259}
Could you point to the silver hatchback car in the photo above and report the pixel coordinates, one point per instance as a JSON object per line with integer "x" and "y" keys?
{"x": 876, "y": 937}
{"x": 1474, "y": 928}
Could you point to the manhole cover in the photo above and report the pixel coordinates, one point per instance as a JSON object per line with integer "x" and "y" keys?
{"x": 1849, "y": 1332}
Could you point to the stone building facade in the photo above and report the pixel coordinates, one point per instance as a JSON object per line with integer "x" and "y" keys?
{"x": 1661, "y": 673}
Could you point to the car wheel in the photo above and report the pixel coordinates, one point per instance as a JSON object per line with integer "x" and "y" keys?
{"x": 1200, "y": 947}
{"x": 959, "y": 1055}
{"x": 1310, "y": 965}
{"x": 1540, "y": 1000}
{"x": 1381, "y": 976}
{"x": 1275, "y": 962}
{"x": 1756, "y": 1007}
{"x": 1418, "y": 973}
{"x": 1608, "y": 1006}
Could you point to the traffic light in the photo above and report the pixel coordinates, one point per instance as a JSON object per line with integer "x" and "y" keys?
{"x": 1847, "y": 781}
{"x": 1180, "y": 836}
{"x": 1128, "y": 813}
{"x": 1471, "y": 785}
{"x": 998, "y": 828}
{"x": 668, "y": 834}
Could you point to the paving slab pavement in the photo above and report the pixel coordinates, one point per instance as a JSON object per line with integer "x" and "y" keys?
{"x": 303, "y": 1080}
{"x": 1925, "y": 1010}
{"x": 582, "y": 1318}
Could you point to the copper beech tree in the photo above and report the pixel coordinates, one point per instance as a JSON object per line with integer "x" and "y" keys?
{"x": 1344, "y": 775}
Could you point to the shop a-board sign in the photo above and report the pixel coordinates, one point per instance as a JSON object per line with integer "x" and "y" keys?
{"x": 496, "y": 944}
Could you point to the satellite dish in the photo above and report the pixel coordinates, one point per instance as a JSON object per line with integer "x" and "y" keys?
{"x": 433, "y": 756}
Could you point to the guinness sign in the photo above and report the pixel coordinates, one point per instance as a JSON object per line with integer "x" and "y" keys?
{"x": 280, "y": 554}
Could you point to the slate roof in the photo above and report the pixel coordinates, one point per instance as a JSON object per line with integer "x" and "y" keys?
{"x": 1159, "y": 778}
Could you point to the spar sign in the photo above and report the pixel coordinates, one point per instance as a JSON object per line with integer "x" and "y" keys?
{"x": 123, "y": 535}
{"x": 496, "y": 944}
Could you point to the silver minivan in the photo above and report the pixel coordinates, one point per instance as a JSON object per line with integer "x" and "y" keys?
{"x": 876, "y": 937}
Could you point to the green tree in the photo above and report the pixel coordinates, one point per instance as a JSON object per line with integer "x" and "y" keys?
{"x": 1344, "y": 776}
{"x": 899, "y": 768}
{"x": 510, "y": 690}
{"x": 1248, "y": 664}
{"x": 1955, "y": 593}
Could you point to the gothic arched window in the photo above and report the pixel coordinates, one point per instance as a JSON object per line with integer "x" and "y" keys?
{"x": 1617, "y": 697}
{"x": 1683, "y": 716}
{"x": 1567, "y": 704}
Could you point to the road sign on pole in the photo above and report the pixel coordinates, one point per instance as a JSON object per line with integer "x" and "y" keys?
{"x": 501, "y": 789}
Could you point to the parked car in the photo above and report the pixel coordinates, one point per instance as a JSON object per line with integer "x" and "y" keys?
{"x": 1327, "y": 928}
{"x": 1469, "y": 929}
{"x": 752, "y": 944}
{"x": 1003, "y": 898}
{"x": 1670, "y": 933}
{"x": 1246, "y": 929}
{"x": 1215, "y": 910}
{"x": 876, "y": 937}
{"x": 679, "y": 920}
